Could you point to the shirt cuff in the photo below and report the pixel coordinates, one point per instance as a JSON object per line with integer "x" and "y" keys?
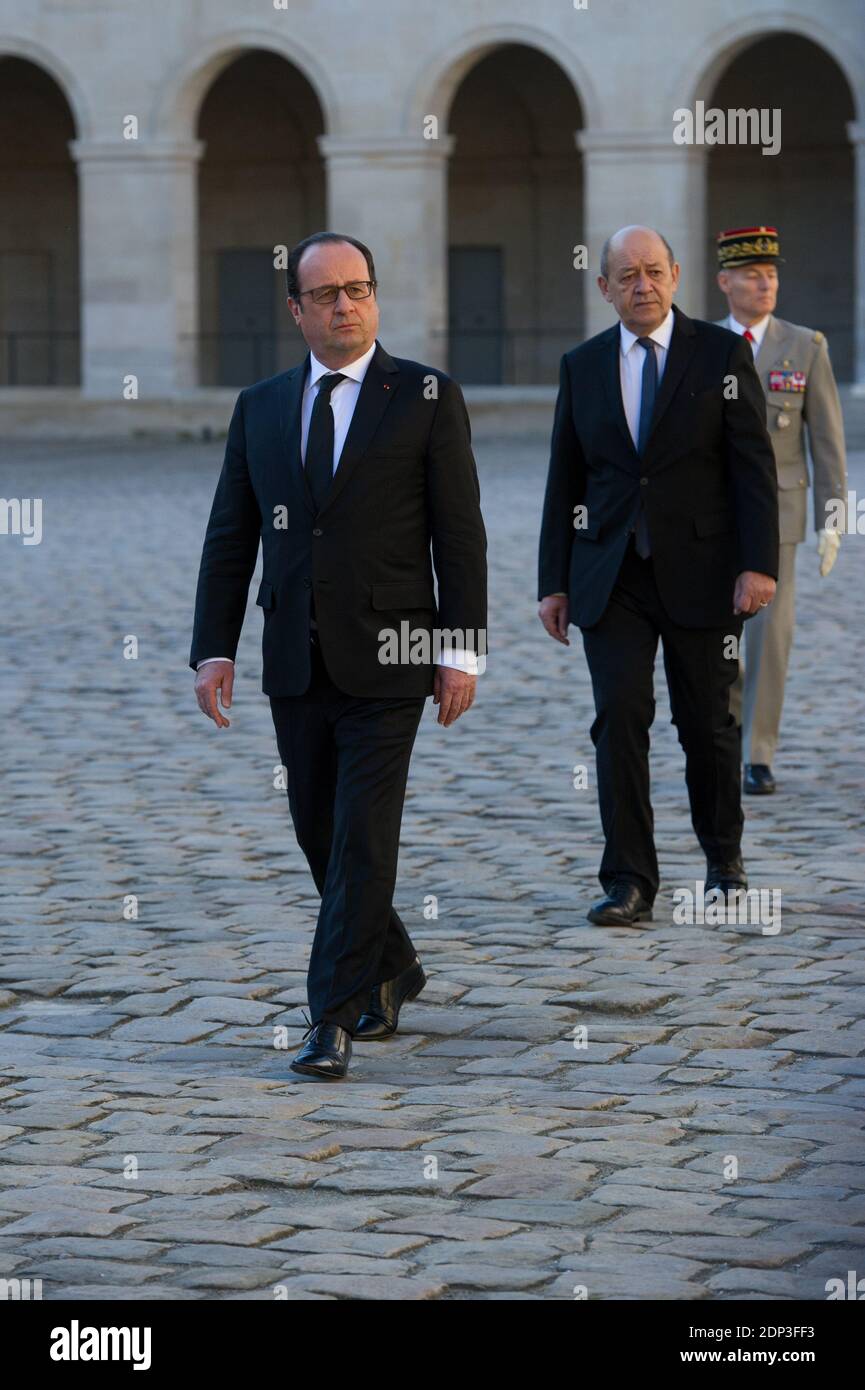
{"x": 459, "y": 660}
{"x": 213, "y": 658}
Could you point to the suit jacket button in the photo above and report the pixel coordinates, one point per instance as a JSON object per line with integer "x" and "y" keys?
{"x": 644, "y": 482}
{"x": 317, "y": 531}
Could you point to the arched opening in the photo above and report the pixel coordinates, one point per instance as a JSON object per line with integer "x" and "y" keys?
{"x": 261, "y": 185}
{"x": 515, "y": 214}
{"x": 39, "y": 276}
{"x": 806, "y": 190}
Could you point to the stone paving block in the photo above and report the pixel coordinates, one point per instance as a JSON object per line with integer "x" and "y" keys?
{"x": 520, "y": 1181}
{"x": 775, "y": 1282}
{"x": 231, "y": 1279}
{"x": 367, "y": 1173}
{"x": 754, "y": 1252}
{"x": 698, "y": 1222}
{"x": 75, "y": 1270}
{"x": 184, "y": 1027}
{"x": 621, "y": 1286}
{"x": 631, "y": 999}
{"x": 455, "y": 1227}
{"x": 70, "y": 1223}
{"x": 375, "y": 1287}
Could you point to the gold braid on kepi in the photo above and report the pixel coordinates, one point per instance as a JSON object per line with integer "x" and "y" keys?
{"x": 745, "y": 245}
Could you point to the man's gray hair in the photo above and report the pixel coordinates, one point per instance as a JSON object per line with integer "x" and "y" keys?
{"x": 605, "y": 249}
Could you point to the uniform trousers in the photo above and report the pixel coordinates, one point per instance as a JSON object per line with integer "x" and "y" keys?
{"x": 757, "y": 697}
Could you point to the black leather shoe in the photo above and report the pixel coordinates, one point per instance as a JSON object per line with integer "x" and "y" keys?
{"x": 385, "y": 1002}
{"x": 758, "y": 780}
{"x": 326, "y": 1054}
{"x": 624, "y": 906}
{"x": 726, "y": 877}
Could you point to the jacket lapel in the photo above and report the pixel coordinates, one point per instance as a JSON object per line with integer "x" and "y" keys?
{"x": 290, "y": 405}
{"x": 680, "y": 352}
{"x": 378, "y": 389}
{"x": 772, "y": 350}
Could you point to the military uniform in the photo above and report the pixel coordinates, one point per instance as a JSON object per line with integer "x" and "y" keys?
{"x": 794, "y": 367}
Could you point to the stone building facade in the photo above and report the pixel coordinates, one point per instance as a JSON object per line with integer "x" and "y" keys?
{"x": 152, "y": 156}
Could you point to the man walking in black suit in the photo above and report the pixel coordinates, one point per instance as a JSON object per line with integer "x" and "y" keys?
{"x": 348, "y": 469}
{"x": 660, "y": 521}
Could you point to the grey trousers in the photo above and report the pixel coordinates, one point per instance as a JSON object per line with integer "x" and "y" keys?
{"x": 757, "y": 696}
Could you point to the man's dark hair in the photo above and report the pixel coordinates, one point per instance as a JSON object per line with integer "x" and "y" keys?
{"x": 316, "y": 239}
{"x": 605, "y": 250}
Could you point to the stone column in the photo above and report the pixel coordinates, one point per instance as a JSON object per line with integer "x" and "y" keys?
{"x": 139, "y": 266}
{"x": 642, "y": 176}
{"x": 391, "y": 192}
{"x": 856, "y": 135}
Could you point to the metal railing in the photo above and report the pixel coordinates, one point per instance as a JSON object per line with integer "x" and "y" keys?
{"x": 236, "y": 359}
{"x": 507, "y": 356}
{"x": 477, "y": 356}
{"x": 32, "y": 358}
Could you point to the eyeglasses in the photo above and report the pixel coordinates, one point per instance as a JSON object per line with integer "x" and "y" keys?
{"x": 329, "y": 294}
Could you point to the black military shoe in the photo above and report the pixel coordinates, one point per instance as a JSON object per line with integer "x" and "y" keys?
{"x": 726, "y": 877}
{"x": 326, "y": 1054}
{"x": 624, "y": 906}
{"x": 758, "y": 780}
{"x": 385, "y": 1002}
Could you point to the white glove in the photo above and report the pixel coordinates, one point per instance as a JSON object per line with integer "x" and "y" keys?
{"x": 828, "y": 545}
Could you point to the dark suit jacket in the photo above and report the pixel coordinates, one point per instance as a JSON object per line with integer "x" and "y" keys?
{"x": 406, "y": 480}
{"x": 707, "y": 477}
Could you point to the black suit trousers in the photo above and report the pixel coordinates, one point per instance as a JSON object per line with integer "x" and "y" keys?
{"x": 620, "y": 650}
{"x": 347, "y": 759}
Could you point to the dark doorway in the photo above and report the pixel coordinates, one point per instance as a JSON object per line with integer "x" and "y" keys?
{"x": 247, "y": 349}
{"x": 475, "y": 307}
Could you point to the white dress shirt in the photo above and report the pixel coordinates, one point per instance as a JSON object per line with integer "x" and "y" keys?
{"x": 758, "y": 330}
{"x": 631, "y": 359}
{"x": 343, "y": 399}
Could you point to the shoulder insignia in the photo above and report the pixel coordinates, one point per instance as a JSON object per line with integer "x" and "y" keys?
{"x": 819, "y": 337}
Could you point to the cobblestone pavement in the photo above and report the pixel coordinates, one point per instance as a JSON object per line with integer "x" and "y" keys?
{"x": 705, "y": 1143}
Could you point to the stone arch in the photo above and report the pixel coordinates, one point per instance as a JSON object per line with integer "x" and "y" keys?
{"x": 14, "y": 46}
{"x": 261, "y": 183}
{"x": 39, "y": 225}
{"x": 436, "y": 81}
{"x": 700, "y": 72}
{"x": 179, "y": 99}
{"x": 809, "y": 188}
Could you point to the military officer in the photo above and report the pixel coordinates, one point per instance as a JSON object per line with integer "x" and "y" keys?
{"x": 793, "y": 365}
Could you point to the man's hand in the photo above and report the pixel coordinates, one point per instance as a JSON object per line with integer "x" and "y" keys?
{"x": 753, "y": 591}
{"x": 214, "y": 676}
{"x": 553, "y": 613}
{"x": 828, "y": 545}
{"x": 454, "y": 691}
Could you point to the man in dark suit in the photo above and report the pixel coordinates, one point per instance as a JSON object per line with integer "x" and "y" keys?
{"x": 660, "y": 521}
{"x": 348, "y": 469}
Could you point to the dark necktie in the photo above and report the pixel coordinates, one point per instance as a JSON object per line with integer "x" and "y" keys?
{"x": 749, "y": 338}
{"x": 648, "y": 392}
{"x": 319, "y": 442}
